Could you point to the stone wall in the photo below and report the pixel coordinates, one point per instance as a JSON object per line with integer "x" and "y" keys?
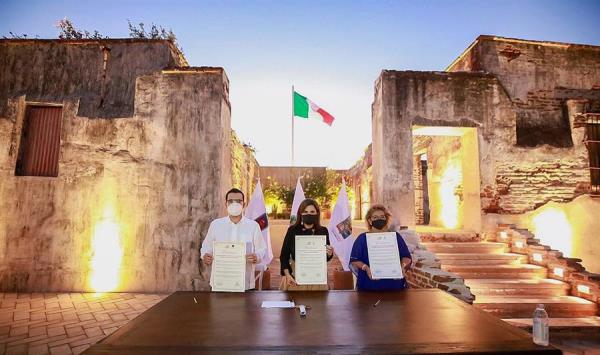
{"x": 539, "y": 77}
{"x": 134, "y": 194}
{"x": 359, "y": 178}
{"x": 549, "y": 84}
{"x": 100, "y": 74}
{"x": 244, "y": 167}
{"x": 404, "y": 100}
{"x": 524, "y": 106}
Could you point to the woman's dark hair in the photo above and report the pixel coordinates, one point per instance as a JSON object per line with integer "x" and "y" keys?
{"x": 302, "y": 207}
{"x": 234, "y": 191}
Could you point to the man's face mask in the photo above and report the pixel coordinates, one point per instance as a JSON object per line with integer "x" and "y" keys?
{"x": 234, "y": 209}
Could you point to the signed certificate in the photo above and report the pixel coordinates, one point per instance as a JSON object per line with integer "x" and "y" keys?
{"x": 384, "y": 257}
{"x": 311, "y": 260}
{"x": 229, "y": 267}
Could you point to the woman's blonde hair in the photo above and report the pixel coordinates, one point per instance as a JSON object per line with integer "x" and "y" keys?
{"x": 372, "y": 210}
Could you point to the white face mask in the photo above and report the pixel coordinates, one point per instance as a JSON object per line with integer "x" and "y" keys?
{"x": 234, "y": 209}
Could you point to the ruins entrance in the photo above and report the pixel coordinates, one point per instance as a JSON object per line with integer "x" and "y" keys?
{"x": 446, "y": 177}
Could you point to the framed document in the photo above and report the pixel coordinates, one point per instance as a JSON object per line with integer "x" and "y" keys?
{"x": 229, "y": 267}
{"x": 384, "y": 257}
{"x": 311, "y": 260}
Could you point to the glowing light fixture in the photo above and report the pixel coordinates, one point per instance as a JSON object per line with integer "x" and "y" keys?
{"x": 559, "y": 271}
{"x": 107, "y": 254}
{"x": 583, "y": 289}
{"x": 449, "y": 200}
{"x": 552, "y": 227}
{"x": 519, "y": 244}
{"x": 537, "y": 257}
{"x": 503, "y": 235}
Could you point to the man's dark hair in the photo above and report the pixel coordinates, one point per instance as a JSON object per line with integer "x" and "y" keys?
{"x": 235, "y": 191}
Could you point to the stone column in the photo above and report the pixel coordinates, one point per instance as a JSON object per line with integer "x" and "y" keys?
{"x": 393, "y": 185}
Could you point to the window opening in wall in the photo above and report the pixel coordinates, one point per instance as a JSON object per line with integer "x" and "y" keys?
{"x": 592, "y": 142}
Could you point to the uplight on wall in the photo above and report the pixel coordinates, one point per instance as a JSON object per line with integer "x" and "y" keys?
{"x": 583, "y": 289}
{"x": 559, "y": 271}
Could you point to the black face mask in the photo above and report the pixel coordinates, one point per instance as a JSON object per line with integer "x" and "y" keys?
{"x": 379, "y": 223}
{"x": 309, "y": 219}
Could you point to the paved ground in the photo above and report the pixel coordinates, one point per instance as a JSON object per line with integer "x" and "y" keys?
{"x": 67, "y": 323}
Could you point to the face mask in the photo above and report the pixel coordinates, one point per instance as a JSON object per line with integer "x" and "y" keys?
{"x": 309, "y": 219}
{"x": 379, "y": 223}
{"x": 234, "y": 209}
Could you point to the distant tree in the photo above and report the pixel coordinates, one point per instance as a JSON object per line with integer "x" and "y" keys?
{"x": 12, "y": 35}
{"x": 69, "y": 31}
{"x": 156, "y": 32}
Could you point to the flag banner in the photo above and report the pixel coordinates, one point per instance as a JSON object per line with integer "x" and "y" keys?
{"x": 298, "y": 198}
{"x": 257, "y": 211}
{"x": 340, "y": 228}
{"x": 305, "y": 108}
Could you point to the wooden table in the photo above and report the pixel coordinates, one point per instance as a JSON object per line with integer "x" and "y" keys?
{"x": 413, "y": 321}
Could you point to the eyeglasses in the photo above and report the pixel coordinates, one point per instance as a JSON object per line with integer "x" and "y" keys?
{"x": 230, "y": 201}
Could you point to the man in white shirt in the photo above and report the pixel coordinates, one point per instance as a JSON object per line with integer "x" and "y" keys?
{"x": 235, "y": 227}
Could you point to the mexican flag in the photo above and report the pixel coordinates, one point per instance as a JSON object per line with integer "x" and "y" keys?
{"x": 305, "y": 108}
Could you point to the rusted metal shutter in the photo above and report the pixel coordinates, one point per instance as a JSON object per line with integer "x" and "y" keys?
{"x": 40, "y": 142}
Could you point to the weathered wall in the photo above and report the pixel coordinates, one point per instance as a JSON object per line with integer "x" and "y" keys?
{"x": 359, "y": 178}
{"x": 148, "y": 185}
{"x": 407, "y": 99}
{"x": 244, "y": 167}
{"x": 539, "y": 77}
{"x": 100, "y": 74}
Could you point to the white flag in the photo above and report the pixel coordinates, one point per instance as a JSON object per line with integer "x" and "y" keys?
{"x": 340, "y": 228}
{"x": 298, "y": 198}
{"x": 257, "y": 211}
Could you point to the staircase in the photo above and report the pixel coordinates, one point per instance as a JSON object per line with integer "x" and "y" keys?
{"x": 507, "y": 286}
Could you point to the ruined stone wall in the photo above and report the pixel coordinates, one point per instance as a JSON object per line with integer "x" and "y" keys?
{"x": 100, "y": 74}
{"x": 541, "y": 79}
{"x": 359, "y": 178}
{"x": 134, "y": 194}
{"x": 407, "y": 99}
{"x": 244, "y": 167}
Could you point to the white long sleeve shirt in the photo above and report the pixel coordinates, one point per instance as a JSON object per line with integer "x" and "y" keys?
{"x": 246, "y": 230}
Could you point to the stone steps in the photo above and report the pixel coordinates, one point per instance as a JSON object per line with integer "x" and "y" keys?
{"x": 517, "y": 287}
{"x": 525, "y": 271}
{"x": 583, "y": 327}
{"x": 523, "y": 306}
{"x": 481, "y": 258}
{"x": 467, "y": 247}
{"x": 436, "y": 235}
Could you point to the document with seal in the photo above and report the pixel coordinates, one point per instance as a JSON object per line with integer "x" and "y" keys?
{"x": 311, "y": 260}
{"x": 384, "y": 256}
{"x": 229, "y": 267}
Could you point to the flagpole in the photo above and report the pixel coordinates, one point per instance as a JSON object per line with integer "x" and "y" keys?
{"x": 292, "y": 125}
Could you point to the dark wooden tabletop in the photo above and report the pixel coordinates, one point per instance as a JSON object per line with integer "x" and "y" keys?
{"x": 421, "y": 321}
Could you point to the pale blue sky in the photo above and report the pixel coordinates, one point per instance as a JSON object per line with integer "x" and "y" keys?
{"x": 332, "y": 51}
